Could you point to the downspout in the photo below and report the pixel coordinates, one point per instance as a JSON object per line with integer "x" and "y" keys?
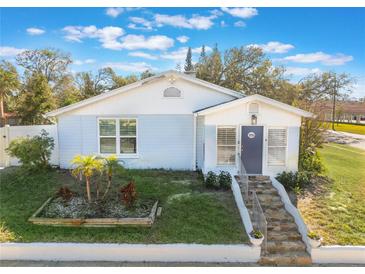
{"x": 194, "y": 141}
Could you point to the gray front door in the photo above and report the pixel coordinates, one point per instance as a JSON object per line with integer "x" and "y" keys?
{"x": 251, "y": 148}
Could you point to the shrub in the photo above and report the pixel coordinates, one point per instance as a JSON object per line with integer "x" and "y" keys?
{"x": 33, "y": 153}
{"x": 313, "y": 235}
{"x": 225, "y": 180}
{"x": 294, "y": 181}
{"x": 256, "y": 234}
{"x": 309, "y": 161}
{"x": 129, "y": 194}
{"x": 211, "y": 181}
{"x": 65, "y": 193}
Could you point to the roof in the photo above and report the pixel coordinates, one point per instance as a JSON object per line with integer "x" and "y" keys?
{"x": 256, "y": 97}
{"x": 134, "y": 85}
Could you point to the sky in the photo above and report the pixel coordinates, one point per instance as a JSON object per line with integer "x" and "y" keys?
{"x": 131, "y": 40}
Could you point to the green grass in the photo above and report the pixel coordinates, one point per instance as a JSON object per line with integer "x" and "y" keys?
{"x": 337, "y": 210}
{"x": 198, "y": 216}
{"x": 351, "y": 128}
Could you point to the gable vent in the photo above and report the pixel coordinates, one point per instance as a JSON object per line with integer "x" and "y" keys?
{"x": 253, "y": 108}
{"x": 172, "y": 92}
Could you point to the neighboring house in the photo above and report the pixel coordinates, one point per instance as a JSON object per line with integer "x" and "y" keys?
{"x": 176, "y": 121}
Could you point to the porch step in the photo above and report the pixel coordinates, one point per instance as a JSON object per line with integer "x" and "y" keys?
{"x": 277, "y": 246}
{"x": 279, "y": 236}
{"x": 287, "y": 259}
{"x": 284, "y": 244}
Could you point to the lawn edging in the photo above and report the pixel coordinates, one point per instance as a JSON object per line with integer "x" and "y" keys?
{"x": 129, "y": 252}
{"x": 302, "y": 227}
{"x": 339, "y": 254}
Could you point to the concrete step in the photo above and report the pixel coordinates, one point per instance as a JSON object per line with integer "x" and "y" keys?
{"x": 286, "y": 259}
{"x": 285, "y": 246}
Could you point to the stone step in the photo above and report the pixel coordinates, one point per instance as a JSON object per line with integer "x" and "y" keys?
{"x": 284, "y": 246}
{"x": 281, "y": 236}
{"x": 283, "y": 227}
{"x": 286, "y": 259}
{"x": 259, "y": 178}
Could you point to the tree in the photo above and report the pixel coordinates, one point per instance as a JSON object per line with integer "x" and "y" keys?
{"x": 86, "y": 166}
{"x": 110, "y": 165}
{"x": 188, "y": 61}
{"x": 146, "y": 74}
{"x": 211, "y": 68}
{"x": 9, "y": 81}
{"x": 326, "y": 86}
{"x": 51, "y": 63}
{"x": 91, "y": 85}
{"x": 66, "y": 92}
{"x": 34, "y": 100}
{"x": 118, "y": 81}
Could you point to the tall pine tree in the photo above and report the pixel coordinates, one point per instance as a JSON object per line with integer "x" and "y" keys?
{"x": 188, "y": 61}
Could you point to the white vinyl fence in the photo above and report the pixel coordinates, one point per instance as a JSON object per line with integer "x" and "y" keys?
{"x": 9, "y": 133}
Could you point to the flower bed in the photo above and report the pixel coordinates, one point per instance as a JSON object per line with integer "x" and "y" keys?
{"x": 77, "y": 212}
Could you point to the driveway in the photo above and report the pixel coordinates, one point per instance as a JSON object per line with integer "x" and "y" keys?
{"x": 351, "y": 139}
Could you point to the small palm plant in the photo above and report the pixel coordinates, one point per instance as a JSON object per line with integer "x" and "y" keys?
{"x": 110, "y": 165}
{"x": 86, "y": 166}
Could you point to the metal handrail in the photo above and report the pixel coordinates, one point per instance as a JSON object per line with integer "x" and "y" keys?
{"x": 243, "y": 180}
{"x": 258, "y": 216}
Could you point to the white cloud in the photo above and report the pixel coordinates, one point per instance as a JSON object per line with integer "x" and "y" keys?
{"x": 240, "y": 24}
{"x": 183, "y": 39}
{"x": 223, "y": 24}
{"x": 35, "y": 31}
{"x": 107, "y": 36}
{"x": 321, "y": 57}
{"x": 130, "y": 67}
{"x": 143, "y": 55}
{"x": 180, "y": 54}
{"x": 195, "y": 22}
{"x": 83, "y": 62}
{"x": 216, "y": 12}
{"x": 156, "y": 42}
{"x": 244, "y": 13}
{"x": 114, "y": 12}
{"x": 273, "y": 47}
{"x": 10, "y": 51}
{"x": 140, "y": 23}
{"x": 298, "y": 71}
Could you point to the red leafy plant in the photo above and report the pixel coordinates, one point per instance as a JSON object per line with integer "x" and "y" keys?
{"x": 65, "y": 193}
{"x": 128, "y": 194}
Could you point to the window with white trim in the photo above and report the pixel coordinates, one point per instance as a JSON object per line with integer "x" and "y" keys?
{"x": 226, "y": 145}
{"x": 277, "y": 145}
{"x": 121, "y": 141}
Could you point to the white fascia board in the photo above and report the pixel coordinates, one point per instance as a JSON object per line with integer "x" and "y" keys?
{"x": 261, "y": 98}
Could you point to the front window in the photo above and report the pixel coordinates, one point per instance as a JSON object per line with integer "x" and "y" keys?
{"x": 277, "y": 144}
{"x": 226, "y": 145}
{"x": 123, "y": 140}
{"x": 128, "y": 136}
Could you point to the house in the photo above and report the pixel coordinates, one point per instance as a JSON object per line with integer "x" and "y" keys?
{"x": 176, "y": 121}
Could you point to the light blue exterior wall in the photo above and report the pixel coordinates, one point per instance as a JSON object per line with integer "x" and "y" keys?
{"x": 163, "y": 141}
{"x": 200, "y": 129}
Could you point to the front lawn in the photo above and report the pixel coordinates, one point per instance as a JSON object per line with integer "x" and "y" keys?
{"x": 191, "y": 213}
{"x": 351, "y": 128}
{"x": 336, "y": 210}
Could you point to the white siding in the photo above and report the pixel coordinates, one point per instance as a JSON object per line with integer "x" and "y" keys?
{"x": 164, "y": 141}
{"x": 149, "y": 99}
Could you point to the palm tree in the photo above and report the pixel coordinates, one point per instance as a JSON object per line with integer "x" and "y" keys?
{"x": 110, "y": 164}
{"x": 87, "y": 166}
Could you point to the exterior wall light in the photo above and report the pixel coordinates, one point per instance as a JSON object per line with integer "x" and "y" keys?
{"x": 253, "y": 119}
